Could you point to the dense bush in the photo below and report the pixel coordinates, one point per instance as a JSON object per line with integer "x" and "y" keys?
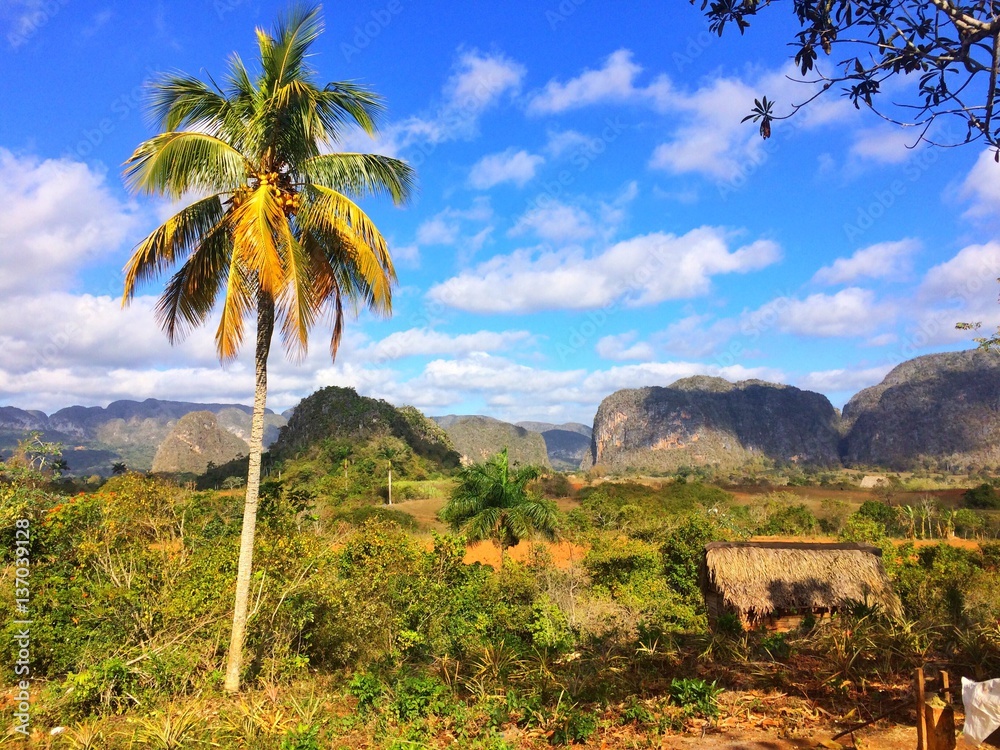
{"x": 983, "y": 497}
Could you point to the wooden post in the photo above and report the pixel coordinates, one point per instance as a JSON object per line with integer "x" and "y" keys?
{"x": 935, "y": 723}
{"x": 918, "y": 690}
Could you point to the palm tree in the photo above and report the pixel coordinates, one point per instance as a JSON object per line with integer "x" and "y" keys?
{"x": 388, "y": 452}
{"x": 491, "y": 501}
{"x": 277, "y": 234}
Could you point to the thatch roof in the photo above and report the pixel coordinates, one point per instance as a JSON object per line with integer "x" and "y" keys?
{"x": 762, "y": 578}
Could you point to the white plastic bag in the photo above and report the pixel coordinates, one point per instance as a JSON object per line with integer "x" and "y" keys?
{"x": 982, "y": 709}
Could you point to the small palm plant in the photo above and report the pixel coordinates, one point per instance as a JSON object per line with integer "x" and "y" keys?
{"x": 491, "y": 501}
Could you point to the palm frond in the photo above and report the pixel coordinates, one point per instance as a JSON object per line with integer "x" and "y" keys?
{"x": 179, "y": 100}
{"x": 177, "y": 162}
{"x": 362, "y": 175}
{"x": 343, "y": 104}
{"x": 365, "y": 264}
{"x": 191, "y": 292}
{"x": 171, "y": 242}
{"x": 285, "y": 55}
{"x": 297, "y": 304}
{"x": 237, "y": 304}
{"x": 258, "y": 222}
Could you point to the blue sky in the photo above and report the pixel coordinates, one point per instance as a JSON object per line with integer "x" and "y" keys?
{"x": 591, "y": 215}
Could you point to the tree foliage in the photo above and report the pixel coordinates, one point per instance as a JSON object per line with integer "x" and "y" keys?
{"x": 277, "y": 233}
{"x": 491, "y": 501}
{"x": 950, "y": 51}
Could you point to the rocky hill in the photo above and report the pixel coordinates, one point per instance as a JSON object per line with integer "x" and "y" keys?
{"x": 567, "y": 445}
{"x": 197, "y": 440}
{"x": 477, "y": 438}
{"x": 709, "y": 421}
{"x": 543, "y": 427}
{"x": 935, "y": 410}
{"x": 94, "y": 437}
{"x": 340, "y": 414}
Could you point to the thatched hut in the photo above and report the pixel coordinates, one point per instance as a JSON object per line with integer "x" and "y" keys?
{"x": 776, "y": 584}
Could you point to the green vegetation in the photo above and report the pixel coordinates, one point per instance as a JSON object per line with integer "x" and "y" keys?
{"x": 368, "y": 631}
{"x": 491, "y": 501}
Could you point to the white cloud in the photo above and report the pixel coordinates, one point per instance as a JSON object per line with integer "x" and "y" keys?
{"x": 479, "y": 82}
{"x": 641, "y": 271}
{"x": 849, "y": 312}
{"x": 966, "y": 280}
{"x": 623, "y": 346}
{"x": 507, "y": 166}
{"x": 963, "y": 289}
{"x": 556, "y": 222}
{"x": 843, "y": 381}
{"x": 710, "y": 137}
{"x": 564, "y": 141}
{"x": 885, "y": 144}
{"x": 56, "y": 217}
{"x": 697, "y": 335}
{"x": 982, "y": 187}
{"x": 614, "y": 82}
{"x": 423, "y": 341}
{"x": 438, "y": 231}
{"x": 885, "y": 260}
{"x": 405, "y": 255}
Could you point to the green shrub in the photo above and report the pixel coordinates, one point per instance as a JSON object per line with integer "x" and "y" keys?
{"x": 419, "y": 696}
{"x": 368, "y": 690}
{"x": 695, "y": 695}
{"x": 574, "y": 726}
{"x": 983, "y": 497}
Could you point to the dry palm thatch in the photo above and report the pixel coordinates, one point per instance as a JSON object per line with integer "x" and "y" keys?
{"x": 764, "y": 579}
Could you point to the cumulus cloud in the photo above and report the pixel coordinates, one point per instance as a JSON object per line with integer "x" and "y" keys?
{"x": 56, "y": 216}
{"x": 564, "y": 141}
{"x": 843, "y": 380}
{"x": 849, "y": 312}
{"x": 479, "y": 82}
{"x": 518, "y": 167}
{"x": 885, "y": 260}
{"x": 623, "y": 346}
{"x": 613, "y": 82}
{"x": 556, "y": 222}
{"x": 424, "y": 341}
{"x": 516, "y": 391}
{"x": 982, "y": 187}
{"x": 438, "y": 231}
{"x": 962, "y": 288}
{"x": 641, "y": 271}
{"x": 697, "y": 335}
{"x": 885, "y": 144}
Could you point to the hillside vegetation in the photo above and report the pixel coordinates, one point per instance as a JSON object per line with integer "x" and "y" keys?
{"x": 370, "y": 633}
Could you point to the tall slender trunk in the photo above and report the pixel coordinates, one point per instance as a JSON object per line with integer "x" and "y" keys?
{"x": 390, "y": 482}
{"x": 265, "y": 327}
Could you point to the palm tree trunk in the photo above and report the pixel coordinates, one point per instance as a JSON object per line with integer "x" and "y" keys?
{"x": 265, "y": 327}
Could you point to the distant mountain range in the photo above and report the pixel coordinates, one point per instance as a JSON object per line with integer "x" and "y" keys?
{"x": 94, "y": 438}
{"x": 936, "y": 411}
{"x": 939, "y": 410}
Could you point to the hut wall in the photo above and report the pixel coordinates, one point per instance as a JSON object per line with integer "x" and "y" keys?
{"x": 715, "y": 605}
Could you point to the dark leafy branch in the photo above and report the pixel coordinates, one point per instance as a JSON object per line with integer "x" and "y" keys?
{"x": 952, "y": 50}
